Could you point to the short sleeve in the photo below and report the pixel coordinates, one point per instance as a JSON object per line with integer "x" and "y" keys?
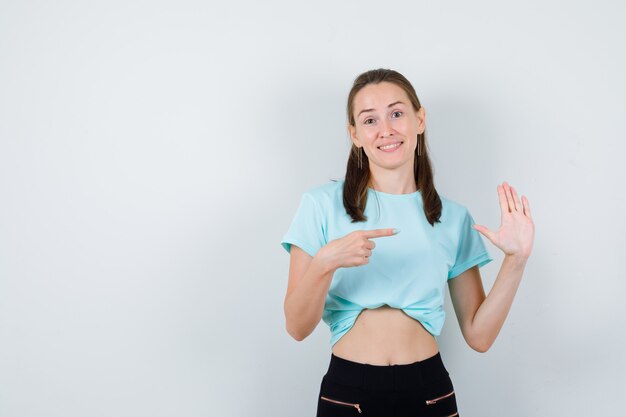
{"x": 307, "y": 227}
{"x": 471, "y": 249}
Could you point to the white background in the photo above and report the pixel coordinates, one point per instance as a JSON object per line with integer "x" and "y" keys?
{"x": 153, "y": 153}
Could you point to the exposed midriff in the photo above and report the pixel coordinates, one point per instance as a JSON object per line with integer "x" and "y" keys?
{"x": 386, "y": 336}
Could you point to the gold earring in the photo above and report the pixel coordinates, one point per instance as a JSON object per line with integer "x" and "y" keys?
{"x": 418, "y": 145}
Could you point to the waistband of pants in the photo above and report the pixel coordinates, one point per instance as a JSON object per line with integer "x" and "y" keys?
{"x": 386, "y": 377}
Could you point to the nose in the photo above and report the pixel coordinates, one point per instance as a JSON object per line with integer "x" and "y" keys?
{"x": 385, "y": 128}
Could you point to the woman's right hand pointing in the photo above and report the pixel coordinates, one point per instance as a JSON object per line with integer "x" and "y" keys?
{"x": 354, "y": 249}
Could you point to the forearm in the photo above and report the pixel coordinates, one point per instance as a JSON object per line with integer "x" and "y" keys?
{"x": 494, "y": 309}
{"x": 305, "y": 304}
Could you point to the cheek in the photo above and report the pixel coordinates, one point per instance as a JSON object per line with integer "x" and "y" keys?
{"x": 369, "y": 134}
{"x": 406, "y": 125}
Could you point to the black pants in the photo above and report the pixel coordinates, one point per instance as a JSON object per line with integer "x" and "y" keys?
{"x": 421, "y": 388}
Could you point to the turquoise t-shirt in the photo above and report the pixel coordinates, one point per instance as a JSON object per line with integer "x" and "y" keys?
{"x": 407, "y": 270}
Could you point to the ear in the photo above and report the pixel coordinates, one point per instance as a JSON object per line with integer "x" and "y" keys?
{"x": 421, "y": 120}
{"x": 353, "y": 137}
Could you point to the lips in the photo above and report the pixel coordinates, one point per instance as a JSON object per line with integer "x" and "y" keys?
{"x": 392, "y": 148}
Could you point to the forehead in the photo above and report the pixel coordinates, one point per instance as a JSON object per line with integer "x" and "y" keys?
{"x": 379, "y": 96}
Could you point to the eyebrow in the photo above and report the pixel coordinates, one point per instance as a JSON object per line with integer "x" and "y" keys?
{"x": 366, "y": 110}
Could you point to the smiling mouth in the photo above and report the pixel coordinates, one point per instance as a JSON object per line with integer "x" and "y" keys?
{"x": 391, "y": 147}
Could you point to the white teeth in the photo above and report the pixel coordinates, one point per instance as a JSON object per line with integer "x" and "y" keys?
{"x": 391, "y": 146}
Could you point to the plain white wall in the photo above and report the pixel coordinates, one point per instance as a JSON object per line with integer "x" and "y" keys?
{"x": 152, "y": 155}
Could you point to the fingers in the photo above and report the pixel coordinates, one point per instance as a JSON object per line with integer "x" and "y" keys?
{"x": 509, "y": 196}
{"x": 526, "y": 207}
{"x": 509, "y": 200}
{"x": 504, "y": 203}
{"x": 377, "y": 233}
{"x": 518, "y": 203}
{"x": 484, "y": 231}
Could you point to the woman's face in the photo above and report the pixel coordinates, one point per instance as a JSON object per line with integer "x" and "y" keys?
{"x": 383, "y": 115}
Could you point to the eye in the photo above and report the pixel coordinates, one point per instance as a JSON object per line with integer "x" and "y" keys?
{"x": 367, "y": 120}
{"x": 397, "y": 111}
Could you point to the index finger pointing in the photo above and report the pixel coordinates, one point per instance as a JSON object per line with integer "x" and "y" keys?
{"x": 380, "y": 232}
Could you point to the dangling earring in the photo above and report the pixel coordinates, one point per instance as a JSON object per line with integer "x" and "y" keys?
{"x": 418, "y": 145}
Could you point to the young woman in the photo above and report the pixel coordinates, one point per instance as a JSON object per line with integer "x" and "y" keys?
{"x": 370, "y": 254}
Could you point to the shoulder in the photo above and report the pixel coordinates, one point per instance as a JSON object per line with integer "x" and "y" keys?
{"x": 328, "y": 194}
{"x": 452, "y": 212}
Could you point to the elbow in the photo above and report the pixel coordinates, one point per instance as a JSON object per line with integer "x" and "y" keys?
{"x": 295, "y": 327}
{"x": 480, "y": 348}
{"x": 479, "y": 345}
{"x": 299, "y": 337}
{"x": 294, "y": 332}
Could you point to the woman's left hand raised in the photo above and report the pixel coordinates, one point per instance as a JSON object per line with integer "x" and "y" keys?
{"x": 517, "y": 230}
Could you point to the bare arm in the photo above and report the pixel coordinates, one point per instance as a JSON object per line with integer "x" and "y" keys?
{"x": 309, "y": 280}
{"x": 310, "y": 277}
{"x": 481, "y": 318}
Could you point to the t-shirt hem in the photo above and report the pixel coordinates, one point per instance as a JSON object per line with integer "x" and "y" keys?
{"x": 479, "y": 260}
{"x": 301, "y": 244}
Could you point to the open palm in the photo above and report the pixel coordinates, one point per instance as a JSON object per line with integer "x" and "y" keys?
{"x": 517, "y": 230}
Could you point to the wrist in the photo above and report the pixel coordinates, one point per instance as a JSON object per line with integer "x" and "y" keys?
{"x": 324, "y": 262}
{"x": 516, "y": 259}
